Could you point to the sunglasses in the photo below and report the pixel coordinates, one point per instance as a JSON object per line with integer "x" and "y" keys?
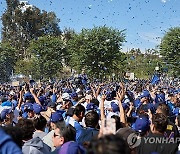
{"x": 56, "y": 135}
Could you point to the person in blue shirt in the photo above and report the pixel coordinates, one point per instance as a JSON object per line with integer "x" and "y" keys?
{"x": 78, "y": 114}
{"x": 7, "y": 146}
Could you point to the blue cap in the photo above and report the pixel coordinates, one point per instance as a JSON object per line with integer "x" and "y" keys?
{"x": 125, "y": 106}
{"x": 160, "y": 98}
{"x": 60, "y": 111}
{"x": 74, "y": 94}
{"x": 67, "y": 91}
{"x": 176, "y": 111}
{"x": 131, "y": 94}
{"x": 28, "y": 106}
{"x": 72, "y": 148}
{"x": 88, "y": 88}
{"x": 108, "y": 95}
{"x": 56, "y": 116}
{"x": 37, "y": 108}
{"x": 5, "y": 112}
{"x": 150, "y": 106}
{"x": 41, "y": 99}
{"x": 170, "y": 91}
{"x": 6, "y": 103}
{"x": 145, "y": 93}
{"x": 142, "y": 124}
{"x": 114, "y": 107}
{"x": 91, "y": 106}
{"x": 28, "y": 96}
{"x": 175, "y": 92}
{"x": 51, "y": 104}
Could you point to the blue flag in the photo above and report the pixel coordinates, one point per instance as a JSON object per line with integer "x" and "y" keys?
{"x": 155, "y": 79}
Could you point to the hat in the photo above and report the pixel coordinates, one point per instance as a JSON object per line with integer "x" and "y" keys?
{"x": 60, "y": 111}
{"x": 12, "y": 93}
{"x": 145, "y": 93}
{"x": 28, "y": 106}
{"x": 108, "y": 95}
{"x": 5, "y": 112}
{"x": 91, "y": 106}
{"x": 65, "y": 96}
{"x": 28, "y": 96}
{"x": 176, "y": 111}
{"x": 37, "y": 108}
{"x": 142, "y": 124}
{"x": 114, "y": 107}
{"x": 67, "y": 90}
{"x": 78, "y": 90}
{"x": 131, "y": 94}
{"x": 74, "y": 94}
{"x": 160, "y": 98}
{"x": 41, "y": 99}
{"x": 47, "y": 114}
{"x": 72, "y": 148}
{"x": 148, "y": 106}
{"x": 125, "y": 106}
{"x": 51, "y": 104}
{"x": 88, "y": 90}
{"x": 56, "y": 116}
{"x": 170, "y": 91}
{"x": 7, "y": 103}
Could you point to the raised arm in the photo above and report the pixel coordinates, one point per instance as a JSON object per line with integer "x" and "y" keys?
{"x": 93, "y": 91}
{"x": 120, "y": 97}
{"x": 20, "y": 98}
{"x": 103, "y": 97}
{"x": 99, "y": 89}
{"x": 34, "y": 95}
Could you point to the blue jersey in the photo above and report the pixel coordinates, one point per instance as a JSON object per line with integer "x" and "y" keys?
{"x": 80, "y": 131}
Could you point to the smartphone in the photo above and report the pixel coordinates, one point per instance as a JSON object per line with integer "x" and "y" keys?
{"x": 109, "y": 126}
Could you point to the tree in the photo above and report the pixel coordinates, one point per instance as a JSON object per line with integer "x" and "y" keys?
{"x": 45, "y": 56}
{"x": 170, "y": 49}
{"x": 28, "y": 67}
{"x": 7, "y": 61}
{"x": 143, "y": 64}
{"x": 21, "y": 25}
{"x": 97, "y": 50}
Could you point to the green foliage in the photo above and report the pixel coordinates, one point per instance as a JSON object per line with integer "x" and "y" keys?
{"x": 28, "y": 67}
{"x": 45, "y": 57}
{"x": 143, "y": 64}
{"x": 7, "y": 61}
{"x": 21, "y": 26}
{"x": 170, "y": 50}
{"x": 96, "y": 50}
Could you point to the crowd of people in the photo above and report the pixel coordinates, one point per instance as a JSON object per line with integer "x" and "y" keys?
{"x": 78, "y": 116}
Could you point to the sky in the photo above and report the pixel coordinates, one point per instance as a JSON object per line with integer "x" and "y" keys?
{"x": 145, "y": 21}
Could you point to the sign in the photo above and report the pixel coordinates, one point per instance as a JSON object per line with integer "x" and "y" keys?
{"x": 15, "y": 83}
{"x": 129, "y": 76}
